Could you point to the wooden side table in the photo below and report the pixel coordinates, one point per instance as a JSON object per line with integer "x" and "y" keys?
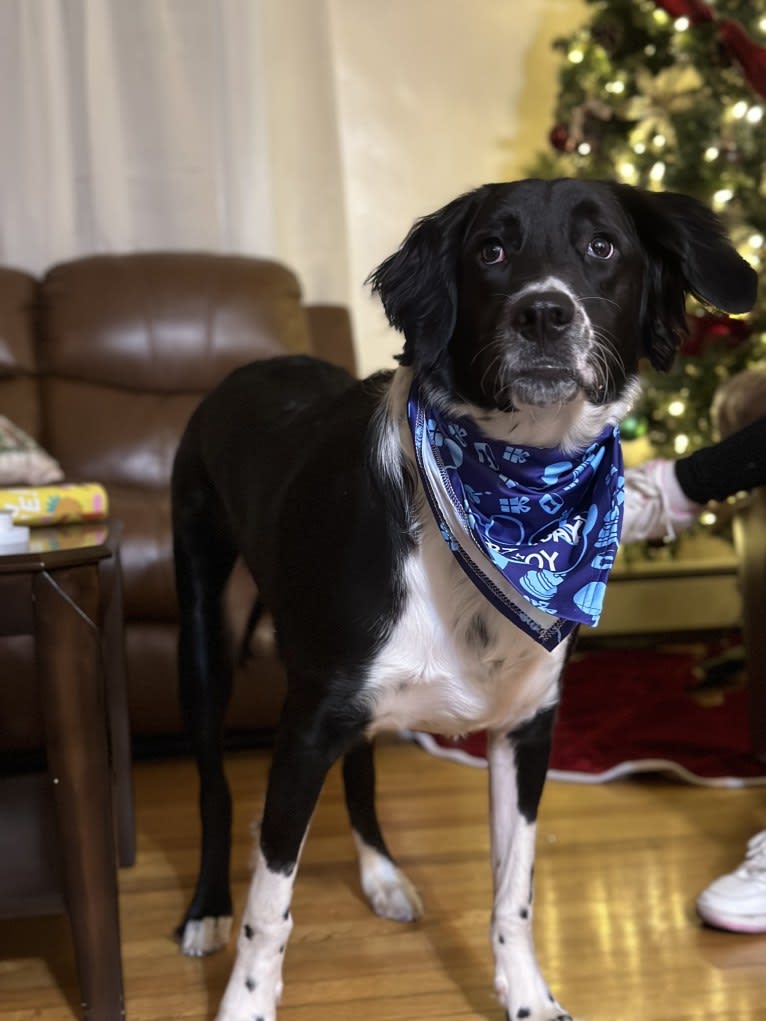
{"x": 67, "y": 594}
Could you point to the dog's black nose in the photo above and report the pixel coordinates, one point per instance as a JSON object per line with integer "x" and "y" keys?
{"x": 541, "y": 315}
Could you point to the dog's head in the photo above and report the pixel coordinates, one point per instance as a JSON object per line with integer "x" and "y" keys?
{"x": 537, "y": 293}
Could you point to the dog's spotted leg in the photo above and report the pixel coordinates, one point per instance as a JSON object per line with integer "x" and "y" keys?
{"x": 255, "y": 984}
{"x": 389, "y": 891}
{"x": 517, "y": 766}
{"x": 304, "y": 752}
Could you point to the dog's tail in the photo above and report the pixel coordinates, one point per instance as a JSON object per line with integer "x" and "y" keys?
{"x": 246, "y": 648}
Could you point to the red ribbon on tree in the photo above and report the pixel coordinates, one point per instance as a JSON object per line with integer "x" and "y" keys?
{"x": 748, "y": 54}
{"x": 710, "y": 331}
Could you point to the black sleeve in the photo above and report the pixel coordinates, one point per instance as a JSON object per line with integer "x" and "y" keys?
{"x": 736, "y": 463}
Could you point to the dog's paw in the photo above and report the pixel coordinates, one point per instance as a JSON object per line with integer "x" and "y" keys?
{"x": 247, "y": 1007}
{"x": 556, "y": 1016}
{"x": 396, "y": 899}
{"x": 549, "y": 1010}
{"x": 202, "y": 936}
{"x": 254, "y": 989}
{"x": 389, "y": 891}
{"x": 529, "y": 999}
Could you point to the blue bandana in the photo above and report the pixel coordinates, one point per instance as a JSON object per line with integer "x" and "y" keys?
{"x": 535, "y": 531}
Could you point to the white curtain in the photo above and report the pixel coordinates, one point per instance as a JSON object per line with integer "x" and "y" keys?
{"x": 312, "y": 131}
{"x": 148, "y": 124}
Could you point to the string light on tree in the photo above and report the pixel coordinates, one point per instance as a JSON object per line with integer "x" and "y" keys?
{"x": 657, "y": 172}
{"x": 681, "y": 444}
{"x": 628, "y": 172}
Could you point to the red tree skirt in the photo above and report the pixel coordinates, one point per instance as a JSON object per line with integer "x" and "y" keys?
{"x": 639, "y": 710}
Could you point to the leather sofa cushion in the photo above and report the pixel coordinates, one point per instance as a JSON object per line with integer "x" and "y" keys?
{"x": 112, "y": 435}
{"x": 146, "y": 554}
{"x": 167, "y": 322}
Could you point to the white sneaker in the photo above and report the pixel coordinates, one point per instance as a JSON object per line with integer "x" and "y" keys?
{"x": 737, "y": 901}
{"x": 655, "y": 504}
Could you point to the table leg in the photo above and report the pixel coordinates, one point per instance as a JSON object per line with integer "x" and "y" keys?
{"x": 117, "y": 701}
{"x": 73, "y": 699}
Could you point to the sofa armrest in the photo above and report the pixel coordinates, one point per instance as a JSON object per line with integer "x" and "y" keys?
{"x": 331, "y": 335}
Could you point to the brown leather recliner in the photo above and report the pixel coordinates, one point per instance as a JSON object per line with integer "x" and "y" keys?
{"x": 103, "y": 361}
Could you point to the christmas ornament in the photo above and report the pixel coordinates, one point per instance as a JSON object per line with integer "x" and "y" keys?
{"x": 559, "y": 138}
{"x": 672, "y": 91}
{"x": 633, "y": 427}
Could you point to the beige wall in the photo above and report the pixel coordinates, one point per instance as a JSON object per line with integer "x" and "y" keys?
{"x": 432, "y": 97}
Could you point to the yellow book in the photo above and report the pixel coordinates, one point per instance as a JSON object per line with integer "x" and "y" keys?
{"x": 67, "y": 502}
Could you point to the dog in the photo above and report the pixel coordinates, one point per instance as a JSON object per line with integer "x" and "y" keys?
{"x": 525, "y": 309}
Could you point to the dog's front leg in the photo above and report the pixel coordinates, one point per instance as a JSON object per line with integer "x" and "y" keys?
{"x": 517, "y": 765}
{"x": 389, "y": 891}
{"x": 298, "y": 770}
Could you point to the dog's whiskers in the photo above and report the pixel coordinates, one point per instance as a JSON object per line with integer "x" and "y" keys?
{"x": 496, "y": 362}
{"x": 600, "y": 297}
{"x": 608, "y": 363}
{"x": 485, "y": 347}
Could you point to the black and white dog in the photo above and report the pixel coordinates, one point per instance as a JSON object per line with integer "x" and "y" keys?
{"x": 525, "y": 308}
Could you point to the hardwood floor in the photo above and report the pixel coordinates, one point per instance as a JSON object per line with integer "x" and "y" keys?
{"x": 617, "y": 871}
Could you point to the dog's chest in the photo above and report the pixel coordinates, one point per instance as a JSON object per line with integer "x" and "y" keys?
{"x": 453, "y": 663}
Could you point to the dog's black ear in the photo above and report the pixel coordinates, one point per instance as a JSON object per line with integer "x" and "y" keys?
{"x": 689, "y": 253}
{"x": 418, "y": 284}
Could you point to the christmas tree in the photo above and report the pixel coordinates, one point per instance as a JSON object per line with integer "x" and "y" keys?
{"x": 670, "y": 95}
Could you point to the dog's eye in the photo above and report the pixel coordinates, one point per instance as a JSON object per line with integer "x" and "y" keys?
{"x": 601, "y": 247}
{"x": 492, "y": 253}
